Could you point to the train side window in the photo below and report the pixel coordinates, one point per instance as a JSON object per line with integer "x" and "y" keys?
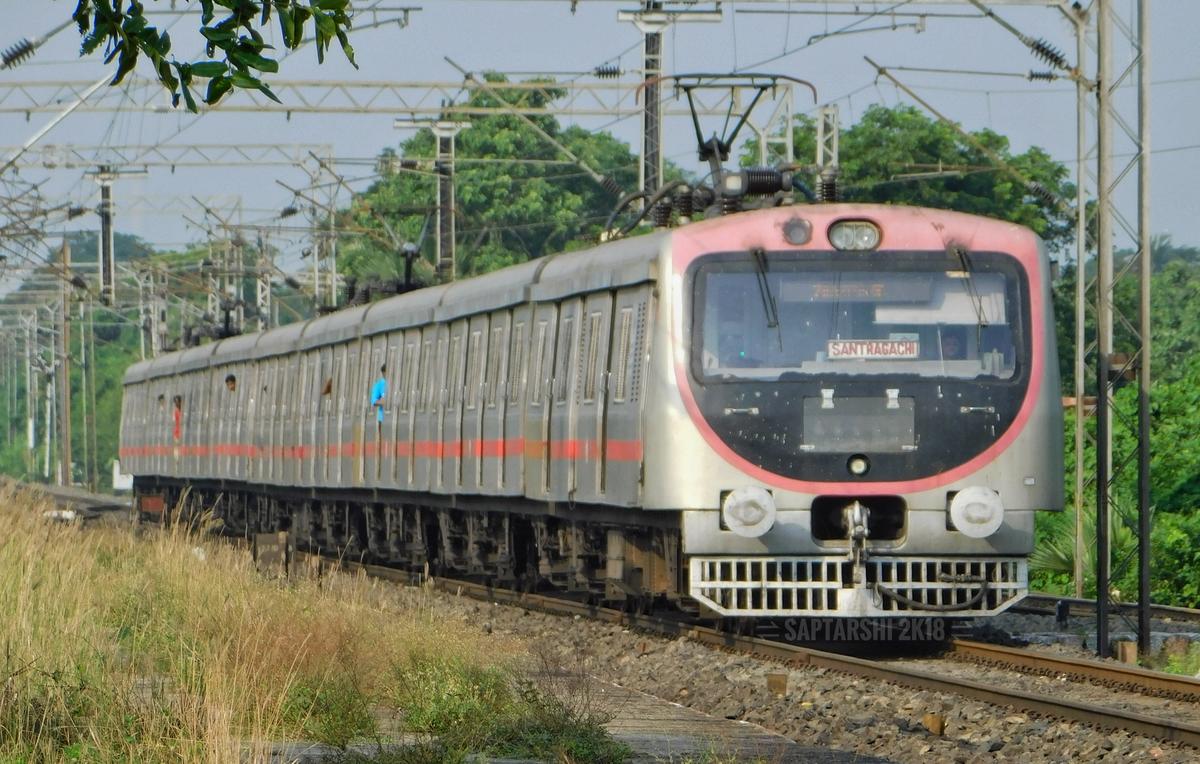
{"x": 495, "y": 357}
{"x": 407, "y": 392}
{"x": 394, "y": 360}
{"x": 593, "y": 357}
{"x": 454, "y": 374}
{"x": 426, "y": 400}
{"x": 563, "y": 365}
{"x": 516, "y": 368}
{"x": 474, "y": 347}
{"x": 624, "y": 334}
{"x": 539, "y": 360}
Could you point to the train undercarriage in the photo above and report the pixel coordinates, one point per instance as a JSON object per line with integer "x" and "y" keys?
{"x": 603, "y": 554}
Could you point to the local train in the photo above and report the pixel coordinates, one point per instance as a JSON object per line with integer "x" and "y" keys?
{"x": 810, "y": 410}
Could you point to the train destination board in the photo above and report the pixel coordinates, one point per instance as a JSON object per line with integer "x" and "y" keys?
{"x": 873, "y": 349}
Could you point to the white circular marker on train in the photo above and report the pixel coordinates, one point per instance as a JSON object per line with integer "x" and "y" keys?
{"x": 749, "y": 512}
{"x": 977, "y": 512}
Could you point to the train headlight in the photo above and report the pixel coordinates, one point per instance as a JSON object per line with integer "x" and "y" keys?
{"x": 977, "y": 512}
{"x": 749, "y": 512}
{"x": 854, "y": 235}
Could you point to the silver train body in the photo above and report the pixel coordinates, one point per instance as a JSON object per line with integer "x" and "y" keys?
{"x": 736, "y": 413}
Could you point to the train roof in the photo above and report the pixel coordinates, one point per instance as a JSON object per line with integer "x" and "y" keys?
{"x": 606, "y": 266}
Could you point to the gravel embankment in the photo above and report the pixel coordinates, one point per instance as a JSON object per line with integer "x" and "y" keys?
{"x": 822, "y": 708}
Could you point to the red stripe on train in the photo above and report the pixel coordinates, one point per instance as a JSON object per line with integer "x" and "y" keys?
{"x": 560, "y": 450}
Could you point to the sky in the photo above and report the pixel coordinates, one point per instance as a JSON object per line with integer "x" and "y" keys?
{"x": 548, "y": 36}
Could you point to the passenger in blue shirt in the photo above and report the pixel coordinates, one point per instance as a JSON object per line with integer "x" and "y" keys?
{"x": 379, "y": 394}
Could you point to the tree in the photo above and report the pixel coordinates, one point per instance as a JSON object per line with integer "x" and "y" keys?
{"x": 517, "y": 195}
{"x": 126, "y": 35}
{"x": 897, "y": 155}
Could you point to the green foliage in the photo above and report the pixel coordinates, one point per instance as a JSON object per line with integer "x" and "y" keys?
{"x": 1175, "y": 463}
{"x": 517, "y": 196}
{"x": 479, "y": 710}
{"x": 1175, "y": 284}
{"x": 126, "y": 34}
{"x": 332, "y": 711}
{"x": 897, "y": 155}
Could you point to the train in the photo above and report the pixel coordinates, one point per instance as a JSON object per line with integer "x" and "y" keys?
{"x": 816, "y": 410}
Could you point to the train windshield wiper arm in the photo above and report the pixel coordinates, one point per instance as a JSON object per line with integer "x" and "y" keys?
{"x": 981, "y": 319}
{"x": 764, "y": 288}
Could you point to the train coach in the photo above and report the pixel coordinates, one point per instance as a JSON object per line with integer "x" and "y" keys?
{"x": 833, "y": 410}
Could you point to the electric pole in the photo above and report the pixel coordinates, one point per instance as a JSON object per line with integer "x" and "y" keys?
{"x": 651, "y": 20}
{"x": 63, "y": 371}
{"x": 445, "y": 132}
{"x": 108, "y": 267}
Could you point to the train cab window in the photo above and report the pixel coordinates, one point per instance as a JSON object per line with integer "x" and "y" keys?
{"x": 801, "y": 317}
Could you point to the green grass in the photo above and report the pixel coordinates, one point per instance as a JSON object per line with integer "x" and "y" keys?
{"x": 115, "y": 649}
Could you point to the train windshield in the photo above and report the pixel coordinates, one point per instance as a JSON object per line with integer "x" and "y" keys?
{"x": 777, "y": 316}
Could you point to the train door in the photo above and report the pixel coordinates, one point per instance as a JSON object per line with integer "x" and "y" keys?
{"x": 207, "y": 424}
{"x": 537, "y": 418}
{"x": 622, "y": 467}
{"x": 589, "y": 396}
{"x": 289, "y": 467}
{"x": 425, "y": 421}
{"x": 451, "y": 432}
{"x": 512, "y": 417}
{"x": 310, "y": 456}
{"x": 246, "y": 422}
{"x": 563, "y": 443}
{"x": 472, "y": 453}
{"x": 270, "y": 409}
{"x": 337, "y": 440}
{"x": 266, "y": 420}
{"x": 373, "y": 430}
{"x": 394, "y": 359}
{"x": 326, "y": 371}
{"x": 490, "y": 467}
{"x": 409, "y": 381}
{"x": 358, "y": 394}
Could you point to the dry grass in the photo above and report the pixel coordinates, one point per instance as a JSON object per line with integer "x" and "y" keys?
{"x": 171, "y": 648}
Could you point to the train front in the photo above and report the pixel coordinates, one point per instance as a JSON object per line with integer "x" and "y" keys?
{"x": 875, "y": 402}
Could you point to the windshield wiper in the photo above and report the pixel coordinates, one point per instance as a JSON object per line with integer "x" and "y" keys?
{"x": 976, "y": 301}
{"x": 764, "y": 288}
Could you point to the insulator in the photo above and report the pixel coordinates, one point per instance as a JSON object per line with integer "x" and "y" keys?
{"x": 1042, "y": 76}
{"x": 1044, "y": 195}
{"x": 730, "y": 204}
{"x": 662, "y": 214}
{"x": 16, "y": 54}
{"x": 610, "y": 185}
{"x": 683, "y": 204}
{"x": 1048, "y": 53}
{"x": 829, "y": 190}
{"x": 763, "y": 180}
{"x": 607, "y": 71}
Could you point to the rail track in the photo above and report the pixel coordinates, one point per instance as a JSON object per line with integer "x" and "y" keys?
{"x": 1117, "y": 676}
{"x": 1114, "y": 675}
{"x": 1039, "y": 603}
{"x": 1109, "y": 674}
